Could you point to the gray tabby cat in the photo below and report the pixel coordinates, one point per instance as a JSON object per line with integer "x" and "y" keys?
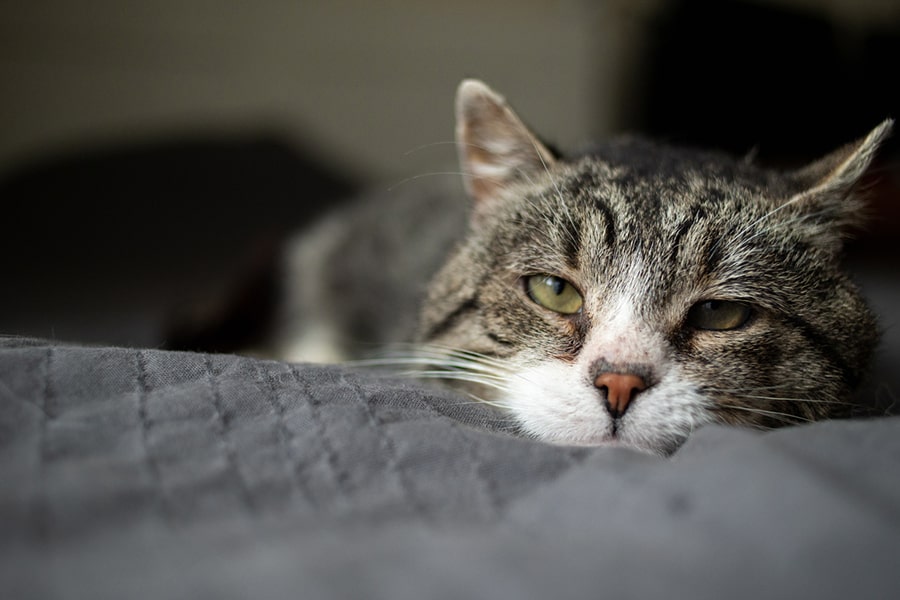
{"x": 626, "y": 296}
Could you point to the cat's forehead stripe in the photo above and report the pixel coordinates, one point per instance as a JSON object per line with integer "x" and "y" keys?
{"x": 572, "y": 242}
{"x": 608, "y": 221}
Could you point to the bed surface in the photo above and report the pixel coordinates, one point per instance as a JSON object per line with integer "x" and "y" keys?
{"x": 149, "y": 474}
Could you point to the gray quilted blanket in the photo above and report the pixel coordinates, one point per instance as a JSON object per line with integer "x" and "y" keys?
{"x": 148, "y": 474}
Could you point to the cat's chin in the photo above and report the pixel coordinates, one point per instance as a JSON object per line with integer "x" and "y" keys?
{"x": 613, "y": 442}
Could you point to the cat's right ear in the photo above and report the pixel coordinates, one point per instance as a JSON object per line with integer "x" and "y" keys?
{"x": 495, "y": 147}
{"x": 832, "y": 184}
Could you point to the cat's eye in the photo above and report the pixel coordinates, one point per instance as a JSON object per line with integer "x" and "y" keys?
{"x": 554, "y": 293}
{"x": 718, "y": 315}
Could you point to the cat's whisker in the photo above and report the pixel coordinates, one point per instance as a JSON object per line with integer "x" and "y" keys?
{"x": 458, "y": 376}
{"x": 495, "y": 404}
{"x": 483, "y": 378}
{"x": 439, "y": 352}
{"x": 562, "y": 204}
{"x": 781, "y": 416}
{"x": 423, "y": 361}
{"x": 787, "y": 224}
{"x": 458, "y": 144}
{"x": 472, "y": 356}
{"x": 461, "y": 363}
{"x": 418, "y": 176}
{"x": 801, "y": 400}
{"x": 430, "y": 145}
{"x": 412, "y": 178}
{"x": 448, "y": 363}
{"x": 554, "y": 211}
{"x": 540, "y": 156}
{"x": 741, "y": 233}
{"x": 743, "y": 390}
{"x": 514, "y": 164}
{"x": 486, "y": 379}
{"x": 754, "y": 394}
{"x": 753, "y": 224}
{"x": 463, "y": 366}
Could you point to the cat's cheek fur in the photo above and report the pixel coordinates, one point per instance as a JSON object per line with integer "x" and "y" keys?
{"x": 555, "y": 401}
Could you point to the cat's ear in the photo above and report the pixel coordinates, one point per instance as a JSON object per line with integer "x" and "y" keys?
{"x": 831, "y": 186}
{"x": 495, "y": 147}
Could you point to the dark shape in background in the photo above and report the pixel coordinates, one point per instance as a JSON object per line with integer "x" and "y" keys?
{"x": 110, "y": 245}
{"x": 788, "y": 86}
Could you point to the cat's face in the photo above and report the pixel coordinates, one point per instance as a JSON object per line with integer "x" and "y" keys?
{"x": 636, "y": 294}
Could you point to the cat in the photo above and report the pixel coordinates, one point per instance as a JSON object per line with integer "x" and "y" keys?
{"x": 624, "y": 296}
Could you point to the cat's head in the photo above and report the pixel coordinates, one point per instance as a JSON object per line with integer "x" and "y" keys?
{"x": 631, "y": 295}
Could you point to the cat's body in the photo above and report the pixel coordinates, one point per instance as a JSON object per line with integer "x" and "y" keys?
{"x": 627, "y": 296}
{"x": 354, "y": 283}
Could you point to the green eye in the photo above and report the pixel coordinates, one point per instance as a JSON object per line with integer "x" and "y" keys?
{"x": 554, "y": 293}
{"x": 718, "y": 315}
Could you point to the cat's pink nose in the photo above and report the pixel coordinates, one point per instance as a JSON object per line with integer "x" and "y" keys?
{"x": 621, "y": 388}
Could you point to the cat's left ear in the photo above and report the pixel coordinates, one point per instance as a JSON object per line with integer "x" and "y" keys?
{"x": 495, "y": 147}
{"x": 831, "y": 184}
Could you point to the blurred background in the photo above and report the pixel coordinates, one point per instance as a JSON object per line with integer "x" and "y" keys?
{"x": 152, "y": 150}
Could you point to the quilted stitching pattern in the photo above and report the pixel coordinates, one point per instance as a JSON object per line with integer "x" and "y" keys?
{"x": 177, "y": 437}
{"x": 146, "y": 474}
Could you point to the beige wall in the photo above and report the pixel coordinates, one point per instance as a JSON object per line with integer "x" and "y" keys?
{"x": 362, "y": 82}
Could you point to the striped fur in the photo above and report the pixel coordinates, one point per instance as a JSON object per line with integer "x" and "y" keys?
{"x": 644, "y": 232}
